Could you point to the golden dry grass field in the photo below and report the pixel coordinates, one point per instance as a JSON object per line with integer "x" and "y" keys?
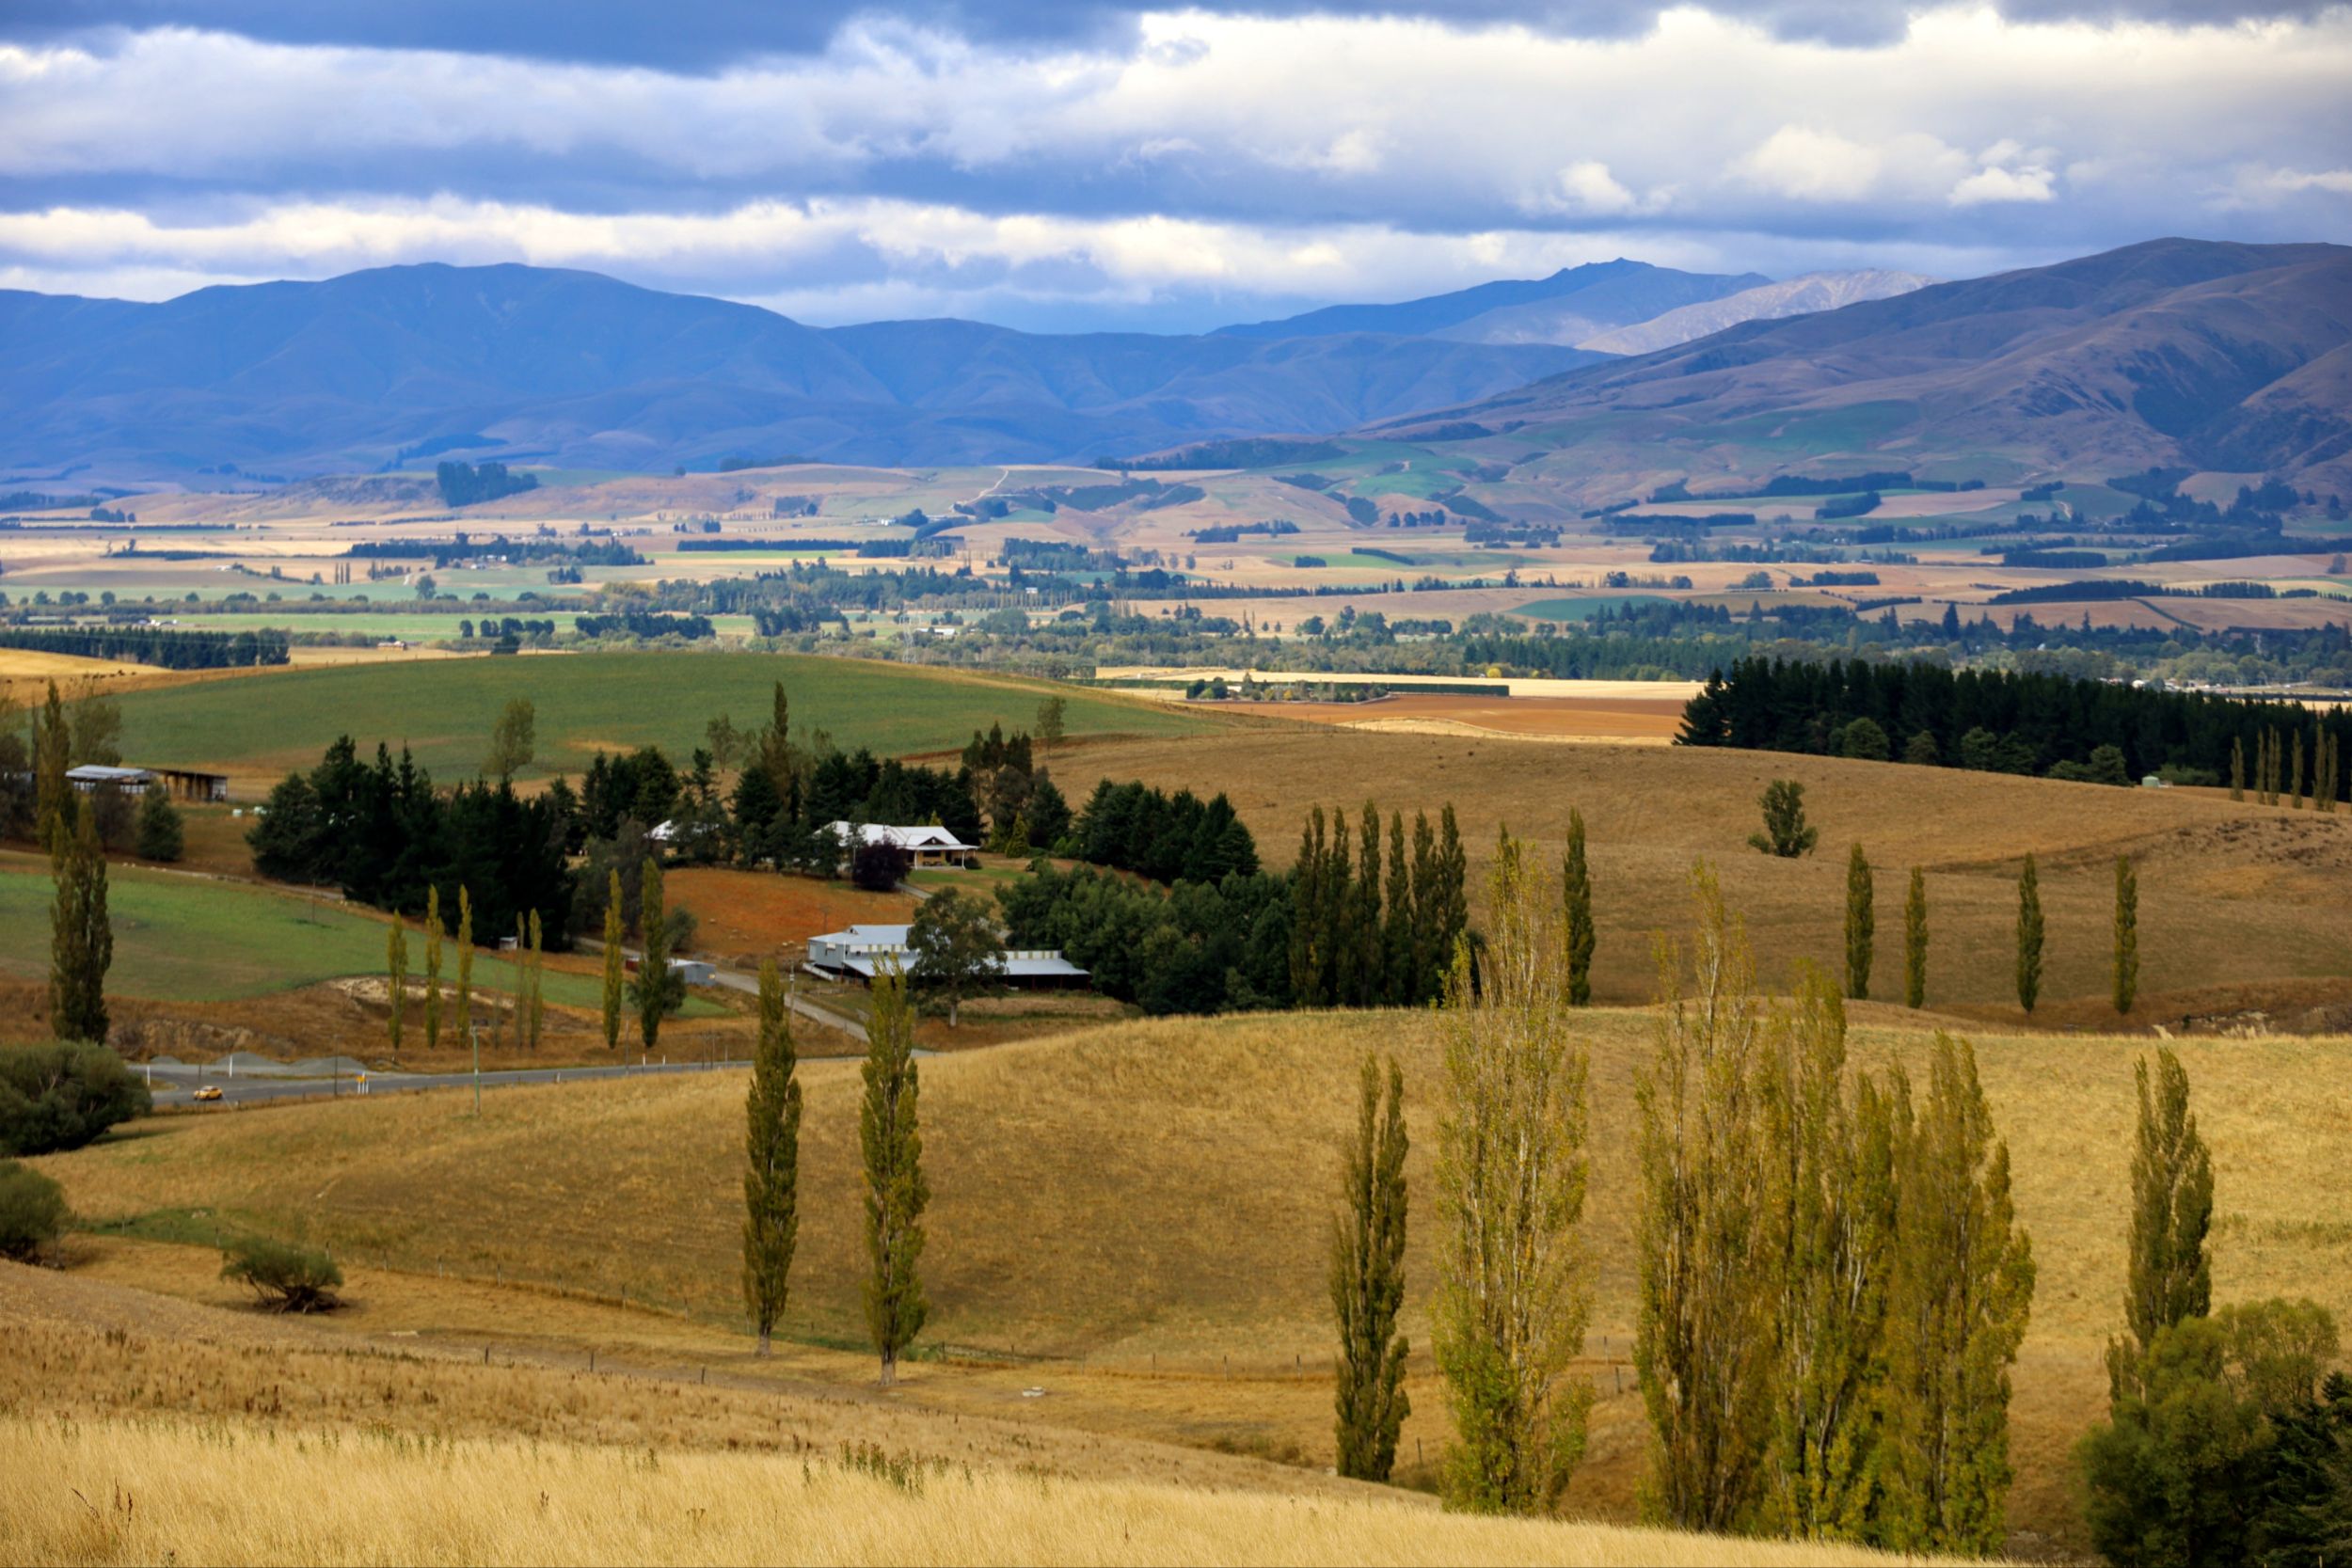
{"x": 1131, "y": 1220}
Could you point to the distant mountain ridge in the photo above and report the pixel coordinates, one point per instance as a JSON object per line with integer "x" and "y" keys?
{"x": 1793, "y": 297}
{"x": 1600, "y": 294}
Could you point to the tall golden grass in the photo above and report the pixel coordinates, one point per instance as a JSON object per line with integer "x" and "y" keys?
{"x": 75, "y": 1491}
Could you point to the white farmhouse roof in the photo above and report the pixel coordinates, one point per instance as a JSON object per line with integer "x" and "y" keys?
{"x": 863, "y": 949}
{"x": 928, "y": 838}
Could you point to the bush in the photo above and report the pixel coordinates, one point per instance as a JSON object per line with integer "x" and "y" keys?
{"x": 60, "y": 1097}
{"x": 283, "y": 1276}
{"x": 32, "y": 1210}
{"x": 1785, "y": 833}
{"x": 160, "y": 834}
{"x": 880, "y": 867}
{"x": 1866, "y": 741}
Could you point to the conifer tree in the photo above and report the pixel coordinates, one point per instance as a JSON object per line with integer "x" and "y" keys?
{"x": 463, "y": 1012}
{"x": 772, "y": 1154}
{"x": 2028, "y": 935}
{"x": 1511, "y": 1171}
{"x": 432, "y": 969}
{"x": 653, "y": 962}
{"x": 1915, "y": 940}
{"x": 81, "y": 937}
{"x": 1704, "y": 1328}
{"x": 538, "y": 981}
{"x": 2237, "y": 767}
{"x": 1368, "y": 1283}
{"x": 2168, "y": 1278}
{"x": 2126, "y": 934}
{"x": 1960, "y": 1290}
{"x": 615, "y": 967}
{"x": 891, "y": 1141}
{"x": 1575, "y": 879}
{"x": 1861, "y": 925}
{"x": 396, "y": 976}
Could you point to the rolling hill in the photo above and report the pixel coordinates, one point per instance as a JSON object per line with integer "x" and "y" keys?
{"x": 1795, "y": 296}
{"x": 1572, "y": 302}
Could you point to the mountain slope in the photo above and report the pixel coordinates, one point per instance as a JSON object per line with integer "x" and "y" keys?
{"x": 2216, "y": 355}
{"x": 1600, "y": 294}
{"x": 540, "y": 364}
{"x": 1795, "y": 296}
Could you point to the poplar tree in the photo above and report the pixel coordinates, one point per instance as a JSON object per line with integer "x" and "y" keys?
{"x": 2126, "y": 934}
{"x": 1576, "y": 881}
{"x": 1361, "y": 941}
{"x": 538, "y": 980}
{"x": 396, "y": 967}
{"x": 1861, "y": 925}
{"x": 2237, "y": 767}
{"x": 653, "y": 962}
{"x": 891, "y": 1141}
{"x": 1368, "y": 1283}
{"x": 53, "y": 795}
{"x": 465, "y": 964}
{"x": 2295, "y": 774}
{"x": 772, "y": 1154}
{"x": 1704, "y": 1328}
{"x": 1511, "y": 1304}
{"x": 1960, "y": 1290}
{"x": 1310, "y": 957}
{"x": 81, "y": 937}
{"x": 2168, "y": 1277}
{"x": 1396, "y": 917}
{"x": 1430, "y": 961}
{"x": 432, "y": 969}
{"x": 1915, "y": 940}
{"x": 615, "y": 967}
{"x": 1452, "y": 899}
{"x": 2028, "y": 935}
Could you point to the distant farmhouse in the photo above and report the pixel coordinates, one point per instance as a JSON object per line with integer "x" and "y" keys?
{"x": 182, "y": 783}
{"x": 926, "y": 847}
{"x": 857, "y": 953}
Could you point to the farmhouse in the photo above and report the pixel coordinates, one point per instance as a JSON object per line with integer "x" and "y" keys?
{"x": 929, "y": 847}
{"x": 856, "y": 953}
{"x": 184, "y": 783}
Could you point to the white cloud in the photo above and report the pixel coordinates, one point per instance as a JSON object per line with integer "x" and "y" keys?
{"x": 1586, "y": 188}
{"x": 1811, "y": 164}
{"x": 2004, "y": 184}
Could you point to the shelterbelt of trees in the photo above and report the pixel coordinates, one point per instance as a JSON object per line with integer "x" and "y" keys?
{"x": 166, "y": 650}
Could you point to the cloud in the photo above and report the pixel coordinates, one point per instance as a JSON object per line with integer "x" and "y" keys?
{"x": 1813, "y": 166}
{"x": 2004, "y": 184}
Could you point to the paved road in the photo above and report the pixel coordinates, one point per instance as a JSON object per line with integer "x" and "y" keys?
{"x": 176, "y": 1085}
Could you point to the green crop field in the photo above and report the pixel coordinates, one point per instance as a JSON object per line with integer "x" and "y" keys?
{"x": 444, "y": 708}
{"x": 1583, "y": 609}
{"x": 185, "y": 939}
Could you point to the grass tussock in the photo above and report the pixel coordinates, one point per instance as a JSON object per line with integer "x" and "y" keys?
{"x": 127, "y": 1491}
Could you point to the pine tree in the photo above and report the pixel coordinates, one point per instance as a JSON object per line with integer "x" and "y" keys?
{"x": 432, "y": 970}
{"x": 463, "y": 1015}
{"x": 653, "y": 961}
{"x": 615, "y": 966}
{"x": 2126, "y": 934}
{"x": 2028, "y": 935}
{"x": 2237, "y": 767}
{"x": 772, "y": 1154}
{"x": 2169, "y": 1277}
{"x": 1702, "y": 1345}
{"x": 81, "y": 937}
{"x": 1960, "y": 1290}
{"x": 1575, "y": 879}
{"x": 1861, "y": 925}
{"x": 396, "y": 977}
{"x": 1511, "y": 1171}
{"x": 1368, "y": 1283}
{"x": 891, "y": 1141}
{"x": 1915, "y": 940}
{"x": 538, "y": 981}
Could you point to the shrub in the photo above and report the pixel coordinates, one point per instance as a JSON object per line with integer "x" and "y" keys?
{"x": 283, "y": 1276}
{"x": 880, "y": 867}
{"x": 1785, "y": 831}
{"x": 60, "y": 1097}
{"x": 1866, "y": 741}
{"x": 32, "y": 1210}
{"x": 160, "y": 834}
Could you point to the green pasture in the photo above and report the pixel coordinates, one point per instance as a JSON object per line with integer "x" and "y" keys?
{"x": 444, "y": 708}
{"x": 1583, "y": 607}
{"x": 186, "y": 939}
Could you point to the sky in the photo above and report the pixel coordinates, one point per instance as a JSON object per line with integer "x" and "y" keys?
{"x": 1079, "y": 165}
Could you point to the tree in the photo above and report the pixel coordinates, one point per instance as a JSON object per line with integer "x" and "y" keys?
{"x": 283, "y": 1277}
{"x": 58, "y": 1097}
{"x": 538, "y": 980}
{"x": 2028, "y": 935}
{"x": 396, "y": 979}
{"x": 1865, "y": 741}
{"x": 160, "y": 834}
{"x": 2168, "y": 1277}
{"x": 32, "y": 1212}
{"x": 81, "y": 937}
{"x": 1785, "y": 831}
{"x": 1915, "y": 940}
{"x": 432, "y": 969}
{"x": 660, "y": 990}
{"x": 890, "y": 1140}
{"x": 53, "y": 748}
{"x": 513, "y": 742}
{"x": 1704, "y": 1328}
{"x": 1575, "y": 879}
{"x": 2237, "y": 767}
{"x": 1368, "y": 1283}
{"x": 879, "y": 866}
{"x": 1511, "y": 1171}
{"x": 615, "y": 965}
{"x": 1861, "y": 925}
{"x": 1960, "y": 1290}
{"x": 771, "y": 1157}
{"x": 1050, "y": 716}
{"x": 2126, "y": 934}
{"x": 463, "y": 1016}
{"x": 2295, "y": 773}
{"x": 956, "y": 948}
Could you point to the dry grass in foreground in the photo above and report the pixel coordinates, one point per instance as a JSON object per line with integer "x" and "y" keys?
{"x": 108, "y": 1491}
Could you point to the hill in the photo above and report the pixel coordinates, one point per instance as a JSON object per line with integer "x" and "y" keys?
{"x": 1594, "y": 296}
{"x": 411, "y": 363}
{"x": 2176, "y": 352}
{"x": 1795, "y": 296}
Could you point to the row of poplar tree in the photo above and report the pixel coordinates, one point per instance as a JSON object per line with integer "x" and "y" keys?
{"x": 1832, "y": 1281}
{"x": 525, "y": 1016}
{"x": 1359, "y": 938}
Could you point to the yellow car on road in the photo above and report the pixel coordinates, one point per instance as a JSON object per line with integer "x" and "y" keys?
{"x": 210, "y": 1091}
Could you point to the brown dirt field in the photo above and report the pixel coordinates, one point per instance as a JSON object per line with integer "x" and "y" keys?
{"x": 1519, "y": 715}
{"x": 2230, "y": 893}
{"x": 746, "y": 917}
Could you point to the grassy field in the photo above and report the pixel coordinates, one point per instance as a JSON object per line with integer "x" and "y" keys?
{"x": 1135, "y": 1214}
{"x": 257, "y": 729}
